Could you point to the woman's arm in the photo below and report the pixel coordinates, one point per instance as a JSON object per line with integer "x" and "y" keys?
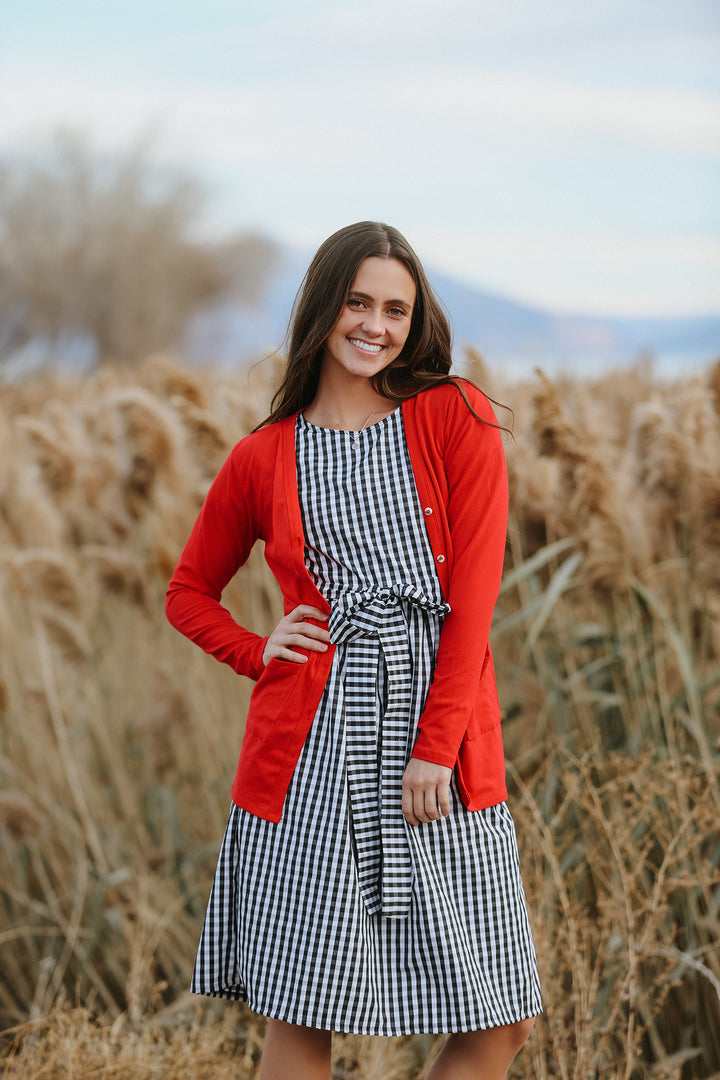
{"x": 477, "y": 503}
{"x": 221, "y": 540}
{"x": 236, "y": 512}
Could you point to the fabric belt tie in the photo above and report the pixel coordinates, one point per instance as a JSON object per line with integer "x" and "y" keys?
{"x": 373, "y": 627}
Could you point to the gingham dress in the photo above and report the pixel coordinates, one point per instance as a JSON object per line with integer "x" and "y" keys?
{"x": 341, "y": 916}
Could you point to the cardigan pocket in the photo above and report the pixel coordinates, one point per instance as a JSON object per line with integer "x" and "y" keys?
{"x": 270, "y": 695}
{"x": 485, "y": 713}
{"x": 480, "y": 770}
{"x": 479, "y": 725}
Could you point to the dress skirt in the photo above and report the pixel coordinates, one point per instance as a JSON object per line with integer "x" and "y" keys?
{"x": 342, "y": 916}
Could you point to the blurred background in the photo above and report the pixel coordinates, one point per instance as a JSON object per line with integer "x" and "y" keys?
{"x": 166, "y": 172}
{"x": 556, "y": 165}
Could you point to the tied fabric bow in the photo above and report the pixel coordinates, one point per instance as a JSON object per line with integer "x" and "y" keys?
{"x": 377, "y": 668}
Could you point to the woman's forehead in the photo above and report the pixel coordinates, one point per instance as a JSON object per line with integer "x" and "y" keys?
{"x": 384, "y": 279}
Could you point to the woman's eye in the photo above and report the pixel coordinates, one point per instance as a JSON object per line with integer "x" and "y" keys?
{"x": 354, "y": 302}
{"x": 398, "y": 311}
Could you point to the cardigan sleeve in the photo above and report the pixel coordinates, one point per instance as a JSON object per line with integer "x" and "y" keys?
{"x": 220, "y": 543}
{"x": 463, "y": 694}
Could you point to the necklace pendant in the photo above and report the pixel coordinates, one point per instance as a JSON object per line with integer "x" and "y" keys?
{"x": 355, "y": 443}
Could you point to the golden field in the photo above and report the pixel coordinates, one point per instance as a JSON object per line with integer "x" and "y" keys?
{"x": 119, "y": 738}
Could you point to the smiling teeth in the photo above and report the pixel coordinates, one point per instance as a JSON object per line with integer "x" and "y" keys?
{"x": 365, "y": 345}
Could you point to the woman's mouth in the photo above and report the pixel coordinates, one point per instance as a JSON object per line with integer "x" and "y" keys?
{"x": 366, "y": 346}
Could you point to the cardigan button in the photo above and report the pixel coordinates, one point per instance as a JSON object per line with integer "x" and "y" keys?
{"x": 428, "y": 511}
{"x": 441, "y": 558}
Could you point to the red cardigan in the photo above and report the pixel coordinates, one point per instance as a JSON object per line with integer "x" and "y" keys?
{"x": 459, "y": 469}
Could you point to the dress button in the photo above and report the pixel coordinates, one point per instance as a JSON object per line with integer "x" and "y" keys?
{"x": 428, "y": 510}
{"x": 441, "y": 558}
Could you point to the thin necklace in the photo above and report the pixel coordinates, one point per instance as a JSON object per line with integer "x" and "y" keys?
{"x": 354, "y": 435}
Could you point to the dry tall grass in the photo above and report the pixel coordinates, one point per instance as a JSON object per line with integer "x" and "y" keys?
{"x": 119, "y": 737}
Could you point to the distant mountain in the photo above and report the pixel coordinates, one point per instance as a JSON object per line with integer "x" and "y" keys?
{"x": 506, "y": 330}
{"x": 510, "y": 334}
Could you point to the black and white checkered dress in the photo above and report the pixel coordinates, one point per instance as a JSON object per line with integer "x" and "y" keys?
{"x": 342, "y": 916}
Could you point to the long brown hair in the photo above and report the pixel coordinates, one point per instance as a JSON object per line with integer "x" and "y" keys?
{"x": 426, "y": 357}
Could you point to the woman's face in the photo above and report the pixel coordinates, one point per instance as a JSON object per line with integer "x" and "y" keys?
{"x": 375, "y": 321}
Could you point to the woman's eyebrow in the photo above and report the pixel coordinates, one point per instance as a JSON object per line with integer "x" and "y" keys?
{"x": 367, "y": 296}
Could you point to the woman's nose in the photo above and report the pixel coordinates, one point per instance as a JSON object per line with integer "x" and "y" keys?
{"x": 372, "y": 323}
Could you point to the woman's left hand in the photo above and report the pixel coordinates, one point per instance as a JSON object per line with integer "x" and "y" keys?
{"x": 426, "y": 791}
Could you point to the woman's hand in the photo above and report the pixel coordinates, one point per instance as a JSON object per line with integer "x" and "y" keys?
{"x": 426, "y": 791}
{"x": 292, "y": 633}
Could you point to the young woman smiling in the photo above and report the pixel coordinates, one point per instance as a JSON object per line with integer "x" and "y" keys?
{"x": 368, "y": 880}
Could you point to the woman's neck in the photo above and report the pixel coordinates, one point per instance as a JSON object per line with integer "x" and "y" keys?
{"x": 348, "y": 404}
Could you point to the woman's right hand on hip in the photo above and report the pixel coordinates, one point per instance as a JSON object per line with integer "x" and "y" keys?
{"x": 293, "y": 633}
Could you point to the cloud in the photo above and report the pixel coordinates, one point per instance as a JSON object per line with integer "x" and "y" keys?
{"x": 680, "y": 120}
{"x": 298, "y": 117}
{"x": 629, "y": 271}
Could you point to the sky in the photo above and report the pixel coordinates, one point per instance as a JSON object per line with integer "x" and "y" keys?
{"x": 561, "y": 153}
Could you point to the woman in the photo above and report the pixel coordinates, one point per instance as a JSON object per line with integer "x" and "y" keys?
{"x": 368, "y": 879}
